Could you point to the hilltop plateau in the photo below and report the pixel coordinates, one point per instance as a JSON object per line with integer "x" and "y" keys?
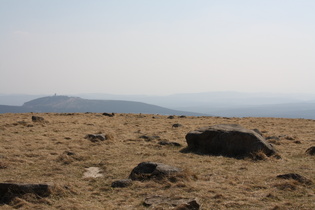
{"x": 64, "y": 104}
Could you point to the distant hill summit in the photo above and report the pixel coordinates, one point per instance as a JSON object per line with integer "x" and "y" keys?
{"x": 65, "y": 104}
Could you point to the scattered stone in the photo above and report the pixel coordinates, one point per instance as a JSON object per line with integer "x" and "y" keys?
{"x": 176, "y": 125}
{"x": 109, "y": 114}
{"x": 177, "y": 202}
{"x": 296, "y": 177}
{"x": 182, "y": 116}
{"x": 289, "y": 138}
{"x": 3, "y": 165}
{"x": 171, "y": 117}
{"x": 9, "y": 191}
{"x": 68, "y": 157}
{"x": 228, "y": 139}
{"x": 37, "y": 119}
{"x": 149, "y": 138}
{"x": 69, "y": 153}
{"x": 122, "y": 183}
{"x": 169, "y": 143}
{"x": 95, "y": 137}
{"x": 151, "y": 170}
{"x": 93, "y": 172}
{"x": 310, "y": 151}
{"x": 22, "y": 123}
{"x": 272, "y": 138}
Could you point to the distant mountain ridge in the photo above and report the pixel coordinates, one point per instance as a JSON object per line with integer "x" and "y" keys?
{"x": 232, "y": 104}
{"x": 223, "y": 104}
{"x": 65, "y": 104}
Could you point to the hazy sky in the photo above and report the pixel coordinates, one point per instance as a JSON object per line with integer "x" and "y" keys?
{"x": 156, "y": 47}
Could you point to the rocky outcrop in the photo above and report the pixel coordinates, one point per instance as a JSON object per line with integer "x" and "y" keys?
{"x": 229, "y": 140}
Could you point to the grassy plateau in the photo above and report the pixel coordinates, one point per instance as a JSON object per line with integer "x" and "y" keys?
{"x": 56, "y": 151}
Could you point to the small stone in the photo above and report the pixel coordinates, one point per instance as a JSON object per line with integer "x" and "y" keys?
{"x": 151, "y": 170}
{"x": 149, "y": 138}
{"x": 177, "y": 202}
{"x": 296, "y": 177}
{"x": 169, "y": 143}
{"x": 310, "y": 151}
{"x": 92, "y": 172}
{"x": 176, "y": 125}
{"x": 121, "y": 183}
{"x": 37, "y": 119}
{"x": 109, "y": 114}
{"x": 95, "y": 137}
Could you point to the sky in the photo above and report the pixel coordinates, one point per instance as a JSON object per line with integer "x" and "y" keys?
{"x": 156, "y": 47}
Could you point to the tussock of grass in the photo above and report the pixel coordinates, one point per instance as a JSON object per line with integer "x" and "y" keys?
{"x": 56, "y": 152}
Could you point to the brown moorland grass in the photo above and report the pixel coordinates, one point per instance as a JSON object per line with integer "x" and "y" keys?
{"x": 55, "y": 151}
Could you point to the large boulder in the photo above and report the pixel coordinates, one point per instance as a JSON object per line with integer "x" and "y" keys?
{"x": 229, "y": 140}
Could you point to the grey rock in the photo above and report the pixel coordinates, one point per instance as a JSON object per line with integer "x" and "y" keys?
{"x": 37, "y": 119}
{"x": 272, "y": 137}
{"x": 310, "y": 151}
{"x": 95, "y": 137}
{"x": 227, "y": 139}
{"x": 296, "y": 177}
{"x": 169, "y": 143}
{"x": 149, "y": 138}
{"x": 177, "y": 202}
{"x": 109, "y": 114}
{"x": 121, "y": 183}
{"x": 176, "y": 125}
{"x": 8, "y": 191}
{"x": 151, "y": 170}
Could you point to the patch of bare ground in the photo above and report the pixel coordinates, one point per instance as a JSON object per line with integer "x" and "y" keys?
{"x": 56, "y": 151}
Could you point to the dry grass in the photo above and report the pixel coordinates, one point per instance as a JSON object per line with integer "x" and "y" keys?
{"x": 55, "y": 151}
